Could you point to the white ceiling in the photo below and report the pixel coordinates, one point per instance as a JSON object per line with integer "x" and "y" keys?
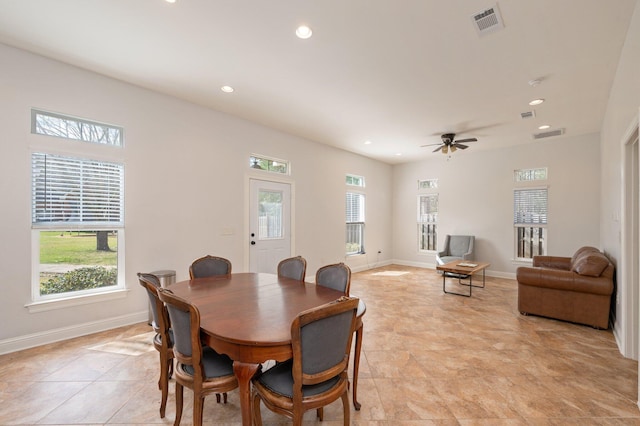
{"x": 396, "y": 73}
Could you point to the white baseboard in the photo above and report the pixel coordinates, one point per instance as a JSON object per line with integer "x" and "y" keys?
{"x": 489, "y": 272}
{"x": 368, "y": 266}
{"x": 50, "y": 336}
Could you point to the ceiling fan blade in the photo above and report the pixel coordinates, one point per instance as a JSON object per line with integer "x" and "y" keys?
{"x": 438, "y": 148}
{"x": 459, "y": 145}
{"x": 430, "y": 144}
{"x": 467, "y": 140}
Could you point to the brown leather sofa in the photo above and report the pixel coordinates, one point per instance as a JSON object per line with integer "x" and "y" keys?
{"x": 576, "y": 289}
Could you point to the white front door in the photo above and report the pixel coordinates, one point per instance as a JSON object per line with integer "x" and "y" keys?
{"x": 269, "y": 224}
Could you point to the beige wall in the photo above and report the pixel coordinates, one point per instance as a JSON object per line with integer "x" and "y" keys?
{"x": 622, "y": 113}
{"x": 186, "y": 169}
{"x": 476, "y": 198}
{"x": 186, "y": 173}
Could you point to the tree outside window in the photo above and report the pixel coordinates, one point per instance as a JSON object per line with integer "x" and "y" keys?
{"x": 78, "y": 224}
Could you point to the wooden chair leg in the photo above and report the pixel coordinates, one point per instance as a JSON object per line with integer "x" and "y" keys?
{"x": 179, "y": 395}
{"x": 163, "y": 383}
{"x": 345, "y": 408}
{"x": 255, "y": 412}
{"x": 356, "y": 365}
{"x": 198, "y": 409}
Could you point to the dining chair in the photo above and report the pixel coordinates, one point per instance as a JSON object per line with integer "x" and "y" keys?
{"x": 293, "y": 267}
{"x": 163, "y": 339}
{"x": 336, "y": 276}
{"x": 209, "y": 266}
{"x": 317, "y": 374}
{"x": 198, "y": 367}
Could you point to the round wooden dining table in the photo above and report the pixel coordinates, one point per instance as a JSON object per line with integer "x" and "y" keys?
{"x": 248, "y": 317}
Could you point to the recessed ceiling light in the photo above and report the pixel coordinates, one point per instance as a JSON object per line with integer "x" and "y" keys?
{"x": 544, "y": 127}
{"x": 170, "y": 1}
{"x": 227, "y": 89}
{"x": 303, "y": 32}
{"x": 398, "y": 154}
{"x": 367, "y": 142}
{"x": 536, "y": 102}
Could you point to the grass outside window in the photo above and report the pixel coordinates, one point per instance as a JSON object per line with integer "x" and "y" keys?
{"x": 77, "y": 260}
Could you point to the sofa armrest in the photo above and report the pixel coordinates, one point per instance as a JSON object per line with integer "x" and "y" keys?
{"x": 563, "y": 280}
{"x": 555, "y": 262}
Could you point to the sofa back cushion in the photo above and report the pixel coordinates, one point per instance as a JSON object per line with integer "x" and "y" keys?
{"x": 590, "y": 263}
{"x": 582, "y": 250}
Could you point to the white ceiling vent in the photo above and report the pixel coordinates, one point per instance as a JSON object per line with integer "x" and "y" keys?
{"x": 527, "y": 114}
{"x": 550, "y": 133}
{"x": 487, "y": 21}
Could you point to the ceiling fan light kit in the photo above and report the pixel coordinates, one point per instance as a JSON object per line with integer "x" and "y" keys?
{"x": 450, "y": 144}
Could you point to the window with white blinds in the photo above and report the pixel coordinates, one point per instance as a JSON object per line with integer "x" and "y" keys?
{"x": 530, "y": 222}
{"x": 77, "y": 215}
{"x": 530, "y": 206}
{"x": 354, "y": 212}
{"x": 72, "y": 191}
{"x": 428, "y": 222}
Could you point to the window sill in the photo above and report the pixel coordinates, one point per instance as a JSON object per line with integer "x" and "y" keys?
{"x": 85, "y": 299}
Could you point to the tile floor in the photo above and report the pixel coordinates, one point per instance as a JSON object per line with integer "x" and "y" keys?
{"x": 428, "y": 359}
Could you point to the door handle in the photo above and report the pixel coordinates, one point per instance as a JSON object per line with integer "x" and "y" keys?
{"x": 253, "y": 243}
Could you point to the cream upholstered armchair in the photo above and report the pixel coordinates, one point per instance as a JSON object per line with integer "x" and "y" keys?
{"x": 456, "y": 247}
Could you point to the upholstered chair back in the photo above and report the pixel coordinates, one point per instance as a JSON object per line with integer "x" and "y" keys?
{"x": 293, "y": 267}
{"x": 459, "y": 245}
{"x": 209, "y": 266}
{"x": 336, "y": 276}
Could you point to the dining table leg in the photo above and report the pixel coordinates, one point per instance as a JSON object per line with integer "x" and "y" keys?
{"x": 244, "y": 372}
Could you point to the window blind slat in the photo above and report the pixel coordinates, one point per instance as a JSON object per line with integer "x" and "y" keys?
{"x": 428, "y": 208}
{"x": 69, "y": 190}
{"x": 354, "y": 207}
{"x": 530, "y": 206}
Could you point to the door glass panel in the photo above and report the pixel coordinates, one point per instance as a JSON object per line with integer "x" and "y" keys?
{"x": 270, "y": 215}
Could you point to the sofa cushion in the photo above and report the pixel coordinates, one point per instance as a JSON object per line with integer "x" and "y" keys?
{"x": 591, "y": 264}
{"x": 582, "y": 250}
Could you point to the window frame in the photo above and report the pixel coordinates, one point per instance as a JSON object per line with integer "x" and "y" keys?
{"x": 40, "y": 302}
{"x": 531, "y": 175}
{"x": 360, "y": 223}
{"x": 427, "y": 184}
{"x": 90, "y": 152}
{"x": 539, "y": 226}
{"x": 271, "y": 164}
{"x": 429, "y": 222}
{"x": 81, "y": 123}
{"x": 355, "y": 180}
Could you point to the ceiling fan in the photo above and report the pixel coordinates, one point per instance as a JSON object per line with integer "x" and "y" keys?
{"x": 450, "y": 144}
